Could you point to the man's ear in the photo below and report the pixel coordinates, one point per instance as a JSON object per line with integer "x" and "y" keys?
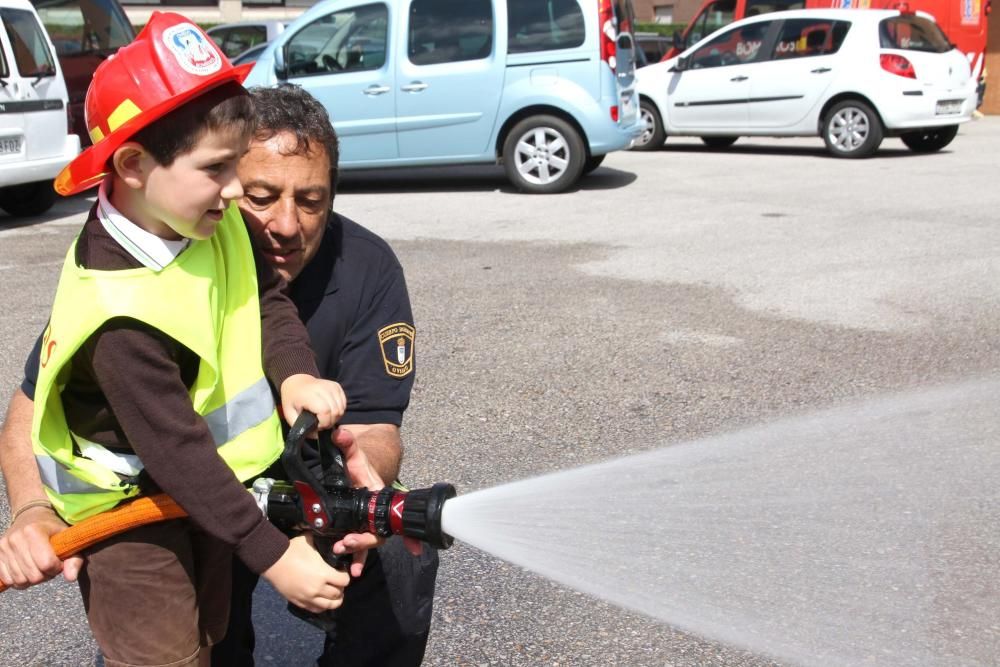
{"x": 131, "y": 162}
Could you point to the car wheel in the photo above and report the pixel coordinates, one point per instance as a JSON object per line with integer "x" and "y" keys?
{"x": 28, "y": 199}
{"x": 852, "y": 129}
{"x": 719, "y": 142}
{"x": 930, "y": 140}
{"x": 653, "y": 134}
{"x": 543, "y": 155}
{"x": 592, "y": 163}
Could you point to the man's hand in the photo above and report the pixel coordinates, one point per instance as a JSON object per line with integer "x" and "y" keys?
{"x": 324, "y": 398}
{"x": 27, "y": 558}
{"x": 361, "y": 473}
{"x": 304, "y": 579}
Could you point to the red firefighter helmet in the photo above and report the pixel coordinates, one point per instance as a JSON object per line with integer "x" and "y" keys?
{"x": 170, "y": 62}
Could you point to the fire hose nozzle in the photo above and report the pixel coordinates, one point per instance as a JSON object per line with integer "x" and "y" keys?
{"x": 422, "y": 514}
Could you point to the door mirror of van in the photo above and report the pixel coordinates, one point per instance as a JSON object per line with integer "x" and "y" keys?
{"x": 680, "y": 65}
{"x": 280, "y": 69}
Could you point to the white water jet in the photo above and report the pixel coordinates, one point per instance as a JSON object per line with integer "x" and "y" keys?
{"x": 863, "y": 535}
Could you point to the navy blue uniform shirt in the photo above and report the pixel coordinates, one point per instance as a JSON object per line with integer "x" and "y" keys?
{"x": 352, "y": 297}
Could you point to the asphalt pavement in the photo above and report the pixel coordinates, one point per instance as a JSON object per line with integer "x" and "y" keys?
{"x": 675, "y": 294}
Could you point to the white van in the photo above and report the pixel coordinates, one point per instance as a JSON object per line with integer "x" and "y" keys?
{"x": 35, "y": 143}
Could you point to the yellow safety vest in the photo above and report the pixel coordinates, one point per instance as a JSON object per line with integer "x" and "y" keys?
{"x": 207, "y": 300}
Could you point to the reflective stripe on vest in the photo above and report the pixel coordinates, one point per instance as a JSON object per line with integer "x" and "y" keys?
{"x": 241, "y": 413}
{"x": 247, "y": 409}
{"x": 57, "y": 477}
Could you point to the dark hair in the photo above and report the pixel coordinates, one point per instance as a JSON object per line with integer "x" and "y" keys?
{"x": 289, "y": 108}
{"x": 228, "y": 107}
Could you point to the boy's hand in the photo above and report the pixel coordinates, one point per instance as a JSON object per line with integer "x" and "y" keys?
{"x": 324, "y": 398}
{"x": 27, "y": 557}
{"x": 304, "y": 579}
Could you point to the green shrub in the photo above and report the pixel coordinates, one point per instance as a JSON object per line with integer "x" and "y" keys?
{"x": 660, "y": 28}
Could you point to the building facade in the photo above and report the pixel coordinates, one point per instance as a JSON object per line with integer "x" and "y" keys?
{"x": 207, "y": 12}
{"x": 666, "y": 11}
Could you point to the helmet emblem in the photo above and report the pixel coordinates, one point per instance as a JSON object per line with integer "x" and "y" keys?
{"x": 192, "y": 50}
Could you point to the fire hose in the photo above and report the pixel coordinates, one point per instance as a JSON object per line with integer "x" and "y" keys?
{"x": 325, "y": 505}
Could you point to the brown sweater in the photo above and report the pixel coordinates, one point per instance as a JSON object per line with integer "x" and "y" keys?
{"x": 128, "y": 391}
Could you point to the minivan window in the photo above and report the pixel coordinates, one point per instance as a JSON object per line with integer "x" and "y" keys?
{"x": 802, "y": 38}
{"x": 913, "y": 33}
{"x": 31, "y": 53}
{"x": 716, "y": 15}
{"x": 349, "y": 41}
{"x": 84, "y": 27}
{"x": 447, "y": 31}
{"x": 738, "y": 46}
{"x": 543, "y": 25}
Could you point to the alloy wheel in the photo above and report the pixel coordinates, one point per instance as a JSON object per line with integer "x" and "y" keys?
{"x": 542, "y": 155}
{"x": 849, "y": 129}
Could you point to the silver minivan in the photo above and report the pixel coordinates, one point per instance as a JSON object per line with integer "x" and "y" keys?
{"x": 546, "y": 87}
{"x": 35, "y": 143}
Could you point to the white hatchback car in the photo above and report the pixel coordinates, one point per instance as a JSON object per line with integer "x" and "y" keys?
{"x": 849, "y": 76}
{"x": 35, "y": 142}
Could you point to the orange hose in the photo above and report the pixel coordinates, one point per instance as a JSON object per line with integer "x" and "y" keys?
{"x": 139, "y": 512}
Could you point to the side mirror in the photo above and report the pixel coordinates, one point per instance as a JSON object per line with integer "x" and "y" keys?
{"x": 680, "y": 65}
{"x": 678, "y": 40}
{"x": 280, "y": 68}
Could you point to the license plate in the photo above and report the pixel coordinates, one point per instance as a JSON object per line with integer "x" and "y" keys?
{"x": 10, "y": 145}
{"x": 949, "y": 107}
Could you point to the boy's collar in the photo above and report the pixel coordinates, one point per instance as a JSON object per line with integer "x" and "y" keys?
{"x": 150, "y": 250}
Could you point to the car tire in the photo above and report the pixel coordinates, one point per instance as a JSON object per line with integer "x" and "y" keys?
{"x": 930, "y": 140}
{"x": 852, "y": 129}
{"x": 653, "y": 135}
{"x": 592, "y": 163}
{"x": 543, "y": 155}
{"x": 28, "y": 199}
{"x": 719, "y": 142}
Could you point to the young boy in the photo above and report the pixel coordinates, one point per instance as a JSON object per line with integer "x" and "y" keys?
{"x": 154, "y": 369}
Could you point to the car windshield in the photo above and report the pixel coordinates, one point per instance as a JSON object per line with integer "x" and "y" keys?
{"x": 913, "y": 33}
{"x": 31, "y": 53}
{"x": 85, "y": 27}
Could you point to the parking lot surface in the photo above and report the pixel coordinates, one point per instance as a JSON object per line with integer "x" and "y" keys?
{"x": 676, "y": 294}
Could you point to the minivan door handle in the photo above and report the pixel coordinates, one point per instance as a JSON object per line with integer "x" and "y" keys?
{"x": 376, "y": 89}
{"x": 414, "y": 87}
{"x": 820, "y": 70}
{"x": 739, "y": 78}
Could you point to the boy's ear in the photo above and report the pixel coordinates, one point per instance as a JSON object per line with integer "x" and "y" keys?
{"x": 131, "y": 163}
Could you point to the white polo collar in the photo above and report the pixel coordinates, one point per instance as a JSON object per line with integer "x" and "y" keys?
{"x": 149, "y": 249}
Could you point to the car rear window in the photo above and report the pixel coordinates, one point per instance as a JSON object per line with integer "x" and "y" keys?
{"x": 31, "y": 53}
{"x": 79, "y": 28}
{"x": 803, "y": 38}
{"x": 240, "y": 39}
{"x": 913, "y": 33}
{"x": 543, "y": 25}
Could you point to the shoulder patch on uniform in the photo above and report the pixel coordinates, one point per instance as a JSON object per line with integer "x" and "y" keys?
{"x": 396, "y": 341}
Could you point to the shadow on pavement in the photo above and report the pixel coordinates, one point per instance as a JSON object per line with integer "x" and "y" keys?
{"x": 78, "y": 205}
{"x": 748, "y": 148}
{"x": 478, "y": 178}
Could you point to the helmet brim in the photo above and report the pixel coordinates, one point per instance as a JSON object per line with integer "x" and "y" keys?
{"x": 90, "y": 167}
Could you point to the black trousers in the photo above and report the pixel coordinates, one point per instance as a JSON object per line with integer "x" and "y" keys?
{"x": 384, "y": 621}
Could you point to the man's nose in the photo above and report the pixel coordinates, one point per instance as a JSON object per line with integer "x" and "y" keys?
{"x": 285, "y": 220}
